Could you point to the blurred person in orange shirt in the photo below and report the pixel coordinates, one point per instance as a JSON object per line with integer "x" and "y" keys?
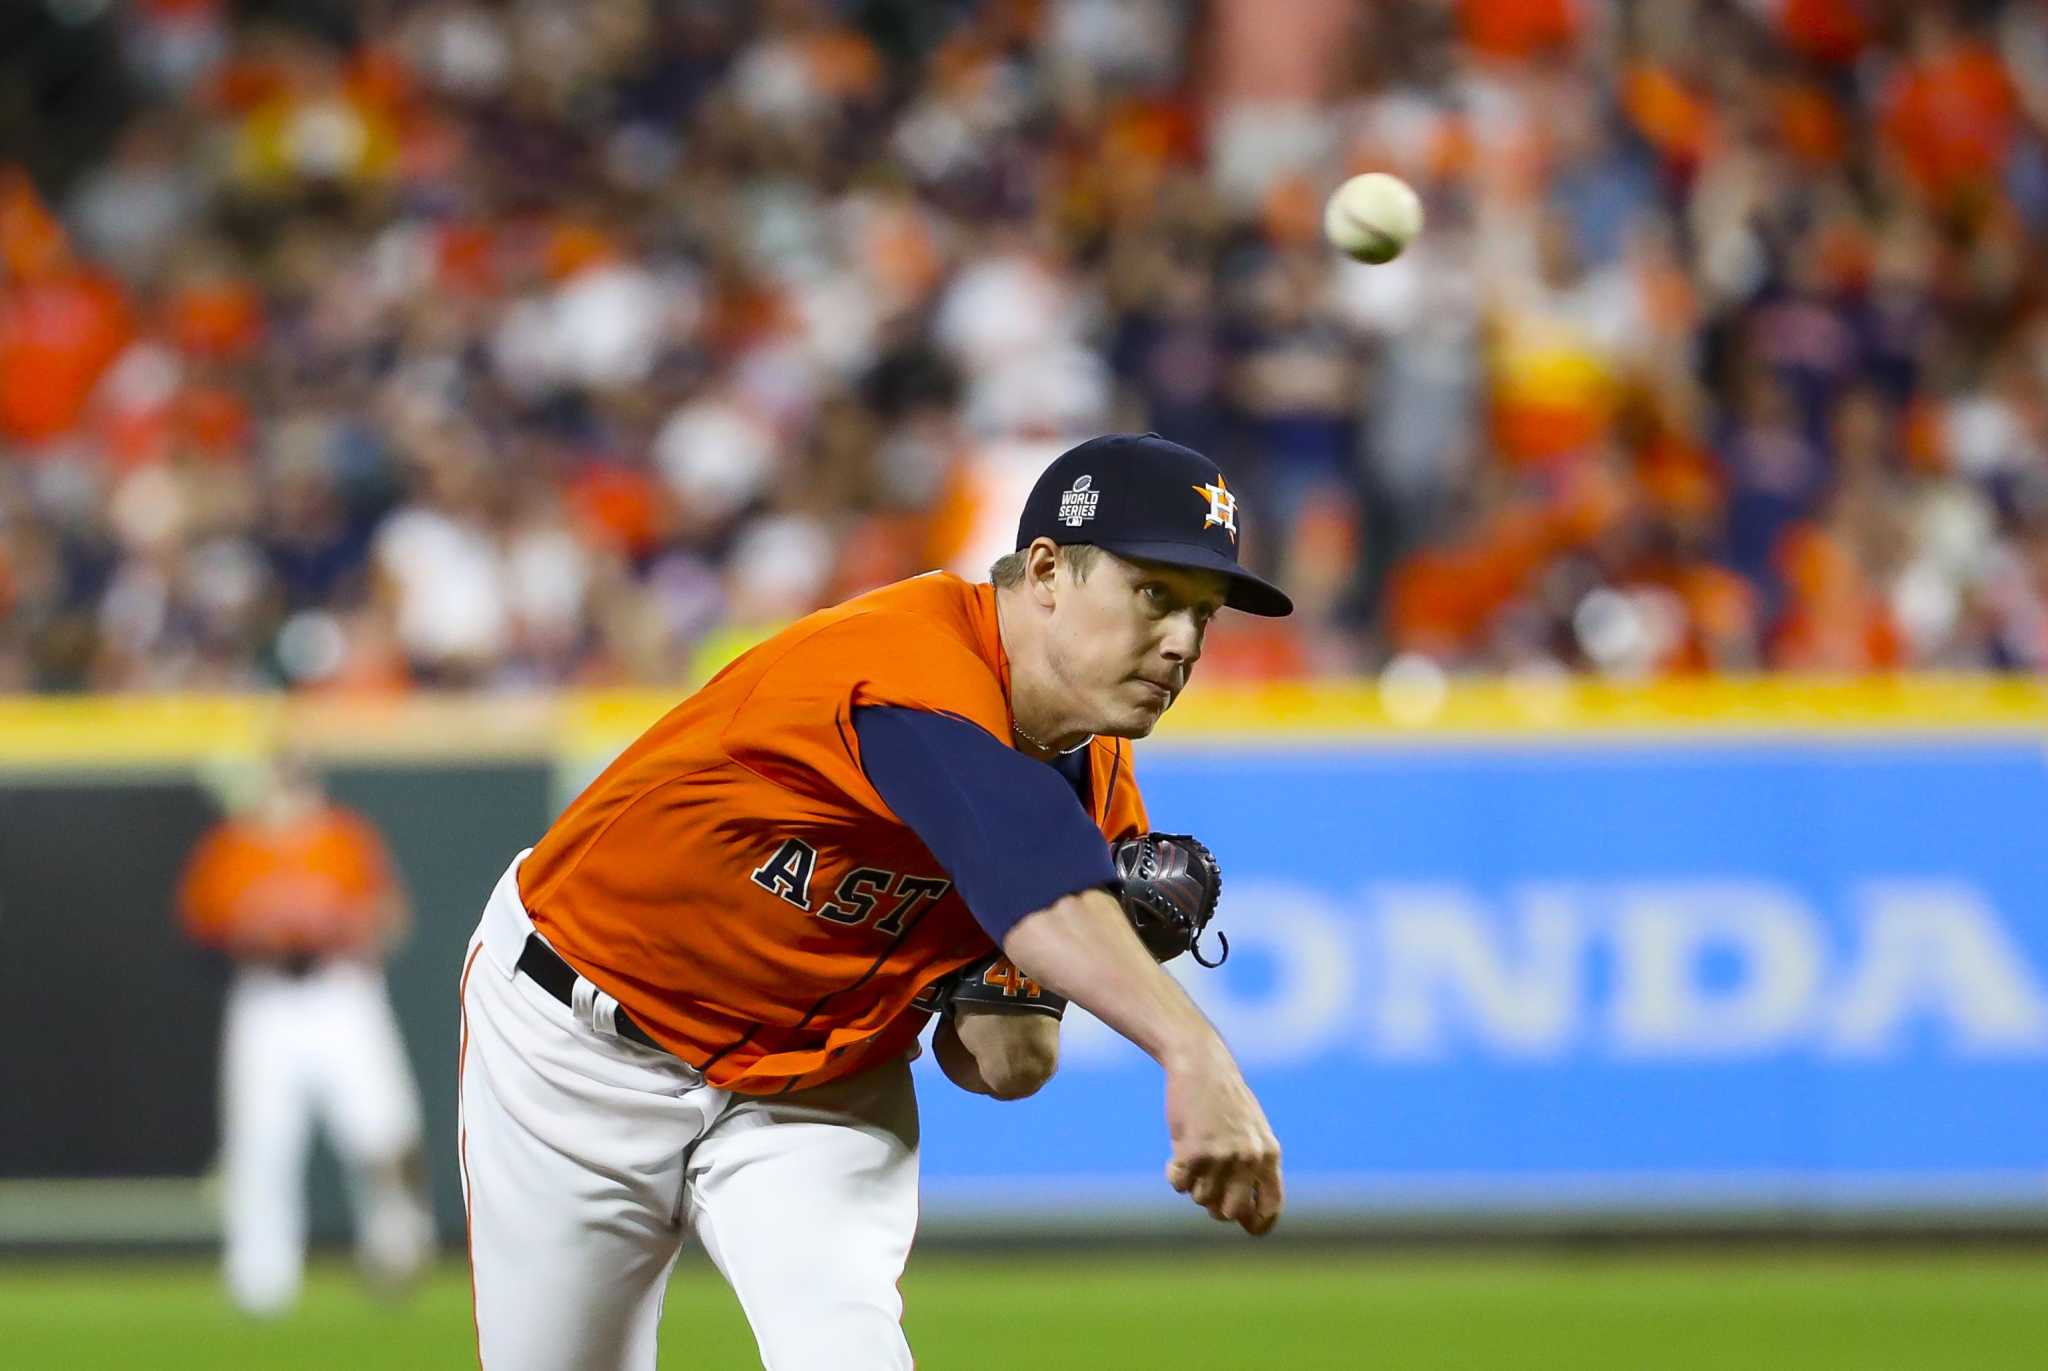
{"x": 1520, "y": 30}
{"x": 1565, "y": 339}
{"x": 61, "y": 321}
{"x": 1949, "y": 116}
{"x": 301, "y": 894}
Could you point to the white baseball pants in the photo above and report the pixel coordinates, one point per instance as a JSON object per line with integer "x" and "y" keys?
{"x": 586, "y": 1156}
{"x": 324, "y": 1046}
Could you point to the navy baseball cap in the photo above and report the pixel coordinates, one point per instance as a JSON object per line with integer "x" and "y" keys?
{"x": 1139, "y": 495}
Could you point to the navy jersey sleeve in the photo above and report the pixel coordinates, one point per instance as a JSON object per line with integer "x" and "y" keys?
{"x": 1008, "y": 829}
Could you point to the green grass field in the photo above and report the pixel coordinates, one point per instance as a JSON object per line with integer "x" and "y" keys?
{"x": 1281, "y": 1307}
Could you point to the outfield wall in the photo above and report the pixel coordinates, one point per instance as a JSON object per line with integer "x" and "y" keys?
{"x": 1765, "y": 948}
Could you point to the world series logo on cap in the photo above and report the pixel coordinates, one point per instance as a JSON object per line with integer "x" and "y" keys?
{"x": 1222, "y": 506}
{"x": 1077, "y": 506}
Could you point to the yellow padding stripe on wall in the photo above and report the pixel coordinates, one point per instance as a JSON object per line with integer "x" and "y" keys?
{"x": 1580, "y": 708}
{"x": 61, "y": 733}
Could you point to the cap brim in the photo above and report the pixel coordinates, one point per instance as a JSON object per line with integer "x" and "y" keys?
{"x": 1247, "y": 592}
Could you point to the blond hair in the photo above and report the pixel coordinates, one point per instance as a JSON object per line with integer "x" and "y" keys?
{"x": 1009, "y": 568}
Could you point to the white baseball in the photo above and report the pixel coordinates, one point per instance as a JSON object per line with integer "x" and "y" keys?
{"x": 1372, "y": 217}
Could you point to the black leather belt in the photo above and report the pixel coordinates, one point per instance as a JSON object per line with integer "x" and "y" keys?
{"x": 540, "y": 964}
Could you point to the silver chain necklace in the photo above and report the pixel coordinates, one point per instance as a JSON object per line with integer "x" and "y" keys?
{"x": 1043, "y": 746}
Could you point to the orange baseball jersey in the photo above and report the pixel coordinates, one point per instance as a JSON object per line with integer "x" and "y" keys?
{"x": 735, "y": 882}
{"x": 321, "y": 885}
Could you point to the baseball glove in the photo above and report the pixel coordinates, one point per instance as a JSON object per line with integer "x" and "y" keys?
{"x": 994, "y": 982}
{"x": 1170, "y": 885}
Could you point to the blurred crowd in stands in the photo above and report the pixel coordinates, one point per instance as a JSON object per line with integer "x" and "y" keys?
{"x": 450, "y": 343}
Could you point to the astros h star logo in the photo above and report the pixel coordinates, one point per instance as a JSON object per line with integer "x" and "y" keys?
{"x": 1222, "y": 506}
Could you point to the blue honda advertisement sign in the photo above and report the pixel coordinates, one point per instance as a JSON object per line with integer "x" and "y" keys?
{"x": 1584, "y": 974}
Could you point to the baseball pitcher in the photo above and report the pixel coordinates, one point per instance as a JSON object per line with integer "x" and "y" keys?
{"x": 692, "y": 1004}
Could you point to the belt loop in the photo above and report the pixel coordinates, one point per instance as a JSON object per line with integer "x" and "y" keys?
{"x": 595, "y": 1008}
